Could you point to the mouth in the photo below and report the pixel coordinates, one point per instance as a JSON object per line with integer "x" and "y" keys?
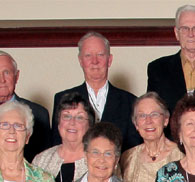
{"x": 71, "y": 131}
{"x": 101, "y": 168}
{"x": 10, "y": 140}
{"x": 150, "y": 129}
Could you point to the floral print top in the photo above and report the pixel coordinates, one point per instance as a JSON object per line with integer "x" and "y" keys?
{"x": 173, "y": 172}
{"x": 34, "y": 174}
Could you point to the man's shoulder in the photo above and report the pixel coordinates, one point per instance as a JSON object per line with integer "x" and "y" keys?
{"x": 31, "y": 104}
{"x": 165, "y": 60}
{"x": 73, "y": 89}
{"x": 122, "y": 92}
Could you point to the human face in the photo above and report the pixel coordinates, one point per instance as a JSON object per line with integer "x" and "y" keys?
{"x": 72, "y": 130}
{"x": 8, "y": 78}
{"x": 95, "y": 60}
{"x": 101, "y": 168}
{"x": 187, "y": 130}
{"x": 150, "y": 128}
{"x": 187, "y": 41}
{"x": 12, "y": 140}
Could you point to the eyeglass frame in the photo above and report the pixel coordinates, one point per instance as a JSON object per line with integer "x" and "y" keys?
{"x": 151, "y": 115}
{"x": 75, "y": 118}
{"x": 186, "y": 28}
{"x": 99, "y": 154}
{"x": 12, "y": 125}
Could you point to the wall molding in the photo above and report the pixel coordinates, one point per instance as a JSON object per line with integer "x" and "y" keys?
{"x": 69, "y": 36}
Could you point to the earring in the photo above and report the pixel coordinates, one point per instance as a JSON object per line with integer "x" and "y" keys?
{"x": 181, "y": 143}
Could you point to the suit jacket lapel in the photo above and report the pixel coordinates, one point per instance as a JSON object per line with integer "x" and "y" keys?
{"x": 111, "y": 102}
{"x": 178, "y": 74}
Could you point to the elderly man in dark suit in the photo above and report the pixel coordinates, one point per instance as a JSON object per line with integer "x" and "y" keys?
{"x": 173, "y": 76}
{"x": 9, "y": 75}
{"x": 110, "y": 103}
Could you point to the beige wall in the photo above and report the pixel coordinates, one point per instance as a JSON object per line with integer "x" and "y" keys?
{"x": 88, "y": 9}
{"x": 45, "y": 71}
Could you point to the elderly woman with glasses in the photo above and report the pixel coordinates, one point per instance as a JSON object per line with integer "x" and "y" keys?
{"x": 150, "y": 117}
{"x": 16, "y": 127}
{"x": 66, "y": 161}
{"x": 102, "y": 146}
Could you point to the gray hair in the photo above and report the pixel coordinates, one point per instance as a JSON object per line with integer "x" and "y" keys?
{"x": 23, "y": 109}
{"x": 97, "y": 35}
{"x": 3, "y": 53}
{"x": 182, "y": 9}
{"x": 156, "y": 98}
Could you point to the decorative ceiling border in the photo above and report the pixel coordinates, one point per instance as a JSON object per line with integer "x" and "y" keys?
{"x": 69, "y": 36}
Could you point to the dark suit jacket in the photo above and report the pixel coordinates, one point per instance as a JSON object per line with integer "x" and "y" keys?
{"x": 117, "y": 110}
{"x": 165, "y": 76}
{"x": 40, "y": 139}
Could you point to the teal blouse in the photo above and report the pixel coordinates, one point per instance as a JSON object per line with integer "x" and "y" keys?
{"x": 34, "y": 174}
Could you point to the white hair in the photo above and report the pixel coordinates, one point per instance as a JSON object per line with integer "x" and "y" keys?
{"x": 23, "y": 109}
{"x": 182, "y": 9}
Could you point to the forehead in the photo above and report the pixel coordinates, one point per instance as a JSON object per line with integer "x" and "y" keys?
{"x": 187, "y": 17}
{"x": 101, "y": 143}
{"x": 74, "y": 108}
{"x": 147, "y": 104}
{"x": 189, "y": 115}
{"x": 6, "y": 62}
{"x": 12, "y": 116}
{"x": 93, "y": 43}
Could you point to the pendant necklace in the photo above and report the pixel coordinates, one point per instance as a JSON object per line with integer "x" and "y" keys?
{"x": 153, "y": 157}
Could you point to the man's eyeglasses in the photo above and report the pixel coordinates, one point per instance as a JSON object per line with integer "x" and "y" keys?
{"x": 152, "y": 115}
{"x": 78, "y": 118}
{"x": 186, "y": 30}
{"x": 16, "y": 126}
{"x": 96, "y": 154}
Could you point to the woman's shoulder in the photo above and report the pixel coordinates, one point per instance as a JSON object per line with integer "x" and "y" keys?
{"x": 34, "y": 173}
{"x": 132, "y": 151}
{"x": 46, "y": 154}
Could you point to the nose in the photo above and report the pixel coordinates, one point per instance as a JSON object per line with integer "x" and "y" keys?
{"x": 102, "y": 157}
{"x": 72, "y": 121}
{"x": 95, "y": 59}
{"x": 191, "y": 33}
{"x": 12, "y": 129}
{"x": 148, "y": 119}
{"x": 2, "y": 78}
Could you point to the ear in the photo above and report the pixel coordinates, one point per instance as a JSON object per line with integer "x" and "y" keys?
{"x": 110, "y": 60}
{"x": 80, "y": 60}
{"x": 166, "y": 122}
{"x": 17, "y": 75}
{"x": 176, "y": 33}
{"x": 27, "y": 138}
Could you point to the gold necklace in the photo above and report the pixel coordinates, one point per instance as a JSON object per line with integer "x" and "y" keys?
{"x": 153, "y": 157}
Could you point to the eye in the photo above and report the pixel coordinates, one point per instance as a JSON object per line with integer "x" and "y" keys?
{"x": 155, "y": 114}
{"x": 79, "y": 118}
{"x": 87, "y": 55}
{"x": 141, "y": 115}
{"x": 189, "y": 123}
{"x": 18, "y": 125}
{"x": 4, "y": 124}
{"x": 108, "y": 154}
{"x": 6, "y": 72}
{"x": 100, "y": 54}
{"x": 66, "y": 117}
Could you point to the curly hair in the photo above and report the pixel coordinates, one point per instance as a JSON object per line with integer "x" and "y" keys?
{"x": 106, "y": 130}
{"x": 186, "y": 104}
